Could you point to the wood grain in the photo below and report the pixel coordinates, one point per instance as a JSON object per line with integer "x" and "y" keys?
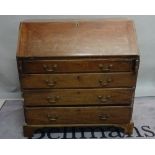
{"x": 63, "y": 97}
{"x": 78, "y": 115}
{"x": 80, "y": 38}
{"x": 87, "y": 80}
{"x": 77, "y": 73}
{"x": 78, "y": 65}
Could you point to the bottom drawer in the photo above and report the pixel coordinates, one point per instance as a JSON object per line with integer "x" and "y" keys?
{"x": 78, "y": 115}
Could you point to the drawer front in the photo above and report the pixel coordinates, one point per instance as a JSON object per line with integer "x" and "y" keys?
{"x": 57, "y": 97}
{"x": 87, "y": 80}
{"x": 78, "y": 115}
{"x": 68, "y": 66}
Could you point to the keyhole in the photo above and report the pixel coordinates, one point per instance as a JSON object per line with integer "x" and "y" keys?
{"x": 77, "y": 24}
{"x": 78, "y": 77}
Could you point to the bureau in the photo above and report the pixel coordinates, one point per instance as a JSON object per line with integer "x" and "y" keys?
{"x": 77, "y": 73}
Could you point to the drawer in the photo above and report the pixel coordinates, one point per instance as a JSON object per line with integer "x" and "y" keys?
{"x": 55, "y": 97}
{"x": 85, "y": 80}
{"x": 85, "y": 65}
{"x": 78, "y": 115}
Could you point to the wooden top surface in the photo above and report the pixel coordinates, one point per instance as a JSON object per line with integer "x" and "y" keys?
{"x": 77, "y": 38}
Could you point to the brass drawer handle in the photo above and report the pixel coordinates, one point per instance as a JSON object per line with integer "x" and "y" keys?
{"x": 52, "y": 100}
{"x": 52, "y": 118}
{"x": 50, "y": 83}
{"x": 104, "y": 99}
{"x": 105, "y": 82}
{"x": 103, "y": 117}
{"x": 50, "y": 68}
{"x": 103, "y": 68}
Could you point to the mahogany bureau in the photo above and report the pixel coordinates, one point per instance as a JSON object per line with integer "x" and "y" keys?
{"x": 77, "y": 73}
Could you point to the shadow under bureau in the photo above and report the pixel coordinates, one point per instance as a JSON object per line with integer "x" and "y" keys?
{"x": 77, "y": 73}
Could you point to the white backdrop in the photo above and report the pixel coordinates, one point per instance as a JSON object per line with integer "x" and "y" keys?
{"x": 9, "y": 84}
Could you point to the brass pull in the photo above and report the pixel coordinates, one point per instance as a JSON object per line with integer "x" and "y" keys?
{"x": 52, "y": 118}
{"x": 105, "y": 68}
{"x": 104, "y": 99}
{"x": 53, "y": 100}
{"x": 104, "y": 82}
{"x": 103, "y": 117}
{"x": 50, "y": 68}
{"x": 50, "y": 83}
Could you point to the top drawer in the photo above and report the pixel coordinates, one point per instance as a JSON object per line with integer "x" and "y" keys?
{"x": 83, "y": 66}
